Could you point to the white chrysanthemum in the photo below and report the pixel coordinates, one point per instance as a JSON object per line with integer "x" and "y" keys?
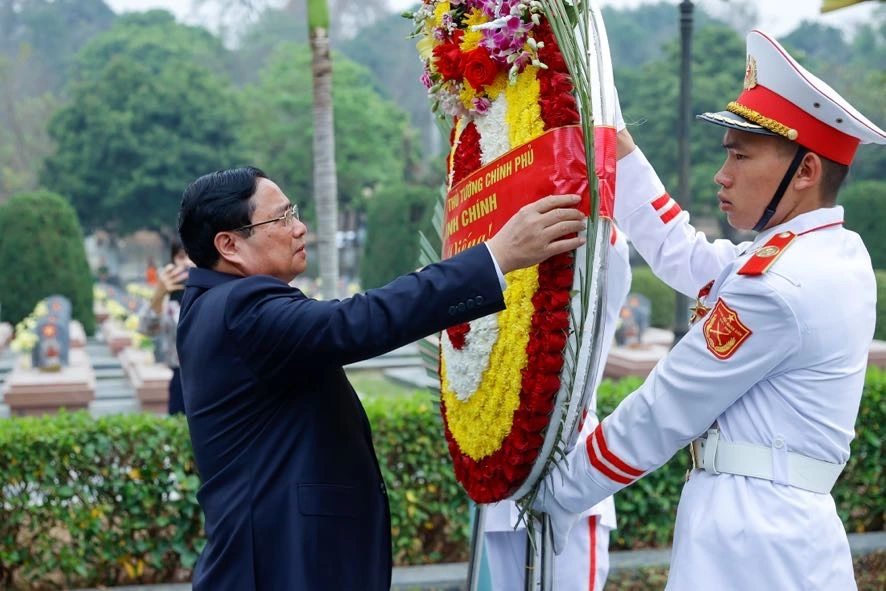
{"x": 493, "y": 130}
{"x": 465, "y": 367}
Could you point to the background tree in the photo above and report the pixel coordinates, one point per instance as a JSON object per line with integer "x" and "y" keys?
{"x": 155, "y": 39}
{"x": 394, "y": 217}
{"x": 650, "y": 94}
{"x": 42, "y": 253}
{"x": 23, "y": 114}
{"x": 325, "y": 180}
{"x": 141, "y": 126}
{"x": 865, "y": 213}
{"x": 51, "y": 32}
{"x": 37, "y": 41}
{"x": 371, "y": 134}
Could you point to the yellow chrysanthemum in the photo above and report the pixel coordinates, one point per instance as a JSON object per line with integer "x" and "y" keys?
{"x": 471, "y": 39}
{"x": 497, "y": 87}
{"x": 439, "y": 11}
{"x": 467, "y": 95}
{"x": 524, "y": 113}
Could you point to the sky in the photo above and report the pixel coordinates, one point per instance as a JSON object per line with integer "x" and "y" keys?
{"x": 777, "y": 17}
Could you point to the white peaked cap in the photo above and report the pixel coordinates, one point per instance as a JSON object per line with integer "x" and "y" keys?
{"x": 781, "y": 97}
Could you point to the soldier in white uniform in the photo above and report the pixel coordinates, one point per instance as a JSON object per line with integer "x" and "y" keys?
{"x": 766, "y": 385}
{"x": 584, "y": 563}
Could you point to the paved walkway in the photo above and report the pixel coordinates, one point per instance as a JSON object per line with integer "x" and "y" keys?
{"x": 452, "y": 576}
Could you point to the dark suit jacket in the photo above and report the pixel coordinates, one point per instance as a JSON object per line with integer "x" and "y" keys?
{"x": 292, "y": 493}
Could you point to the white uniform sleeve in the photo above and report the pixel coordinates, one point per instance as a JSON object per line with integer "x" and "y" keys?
{"x": 660, "y": 230}
{"x": 746, "y": 336}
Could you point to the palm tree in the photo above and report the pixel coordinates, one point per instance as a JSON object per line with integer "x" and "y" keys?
{"x": 325, "y": 180}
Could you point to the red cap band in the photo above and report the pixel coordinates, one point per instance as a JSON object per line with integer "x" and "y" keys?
{"x": 812, "y": 133}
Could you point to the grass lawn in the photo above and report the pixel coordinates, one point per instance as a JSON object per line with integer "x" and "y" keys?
{"x": 372, "y": 382}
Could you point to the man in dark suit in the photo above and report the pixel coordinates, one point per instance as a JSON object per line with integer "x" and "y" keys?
{"x": 292, "y": 493}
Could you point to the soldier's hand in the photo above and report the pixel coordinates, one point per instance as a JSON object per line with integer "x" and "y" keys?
{"x": 540, "y": 230}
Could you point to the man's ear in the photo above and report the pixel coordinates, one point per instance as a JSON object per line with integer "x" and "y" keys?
{"x": 809, "y": 172}
{"x": 228, "y": 247}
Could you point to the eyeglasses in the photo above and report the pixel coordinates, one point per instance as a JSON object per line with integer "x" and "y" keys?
{"x": 288, "y": 217}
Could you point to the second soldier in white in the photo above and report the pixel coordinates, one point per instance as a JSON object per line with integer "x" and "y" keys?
{"x": 765, "y": 387}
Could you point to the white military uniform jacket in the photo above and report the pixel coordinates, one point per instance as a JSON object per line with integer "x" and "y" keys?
{"x": 779, "y": 361}
{"x": 504, "y": 516}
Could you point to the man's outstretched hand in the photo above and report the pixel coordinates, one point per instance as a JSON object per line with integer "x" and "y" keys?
{"x": 538, "y": 231}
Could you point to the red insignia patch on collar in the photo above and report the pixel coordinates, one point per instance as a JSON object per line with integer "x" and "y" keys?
{"x": 724, "y": 333}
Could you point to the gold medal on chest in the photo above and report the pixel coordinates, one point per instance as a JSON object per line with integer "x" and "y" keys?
{"x": 699, "y": 310}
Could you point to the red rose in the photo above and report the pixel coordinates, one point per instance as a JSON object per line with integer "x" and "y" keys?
{"x": 448, "y": 58}
{"x": 479, "y": 69}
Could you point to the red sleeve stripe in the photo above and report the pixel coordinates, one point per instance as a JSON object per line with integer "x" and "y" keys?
{"x": 661, "y": 201}
{"x": 611, "y": 457}
{"x": 601, "y": 467}
{"x": 670, "y": 214}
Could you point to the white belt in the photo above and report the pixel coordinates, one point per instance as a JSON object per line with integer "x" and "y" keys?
{"x": 716, "y": 456}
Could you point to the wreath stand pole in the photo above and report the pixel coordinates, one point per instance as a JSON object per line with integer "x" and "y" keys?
{"x": 476, "y": 547}
{"x": 539, "y": 555}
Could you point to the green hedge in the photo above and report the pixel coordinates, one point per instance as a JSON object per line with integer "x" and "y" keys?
{"x": 87, "y": 502}
{"x": 661, "y": 297}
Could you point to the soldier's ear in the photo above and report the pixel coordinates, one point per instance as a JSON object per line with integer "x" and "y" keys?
{"x": 809, "y": 172}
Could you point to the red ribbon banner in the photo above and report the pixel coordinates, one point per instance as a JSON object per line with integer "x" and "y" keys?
{"x": 551, "y": 164}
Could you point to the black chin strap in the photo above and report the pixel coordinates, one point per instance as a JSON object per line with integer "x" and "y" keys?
{"x": 779, "y": 193}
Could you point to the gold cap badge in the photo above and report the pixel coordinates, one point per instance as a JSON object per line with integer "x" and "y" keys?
{"x": 750, "y": 73}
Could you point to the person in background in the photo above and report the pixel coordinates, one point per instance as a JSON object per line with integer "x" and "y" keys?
{"x": 292, "y": 494}
{"x": 151, "y": 272}
{"x": 159, "y": 319}
{"x": 584, "y": 563}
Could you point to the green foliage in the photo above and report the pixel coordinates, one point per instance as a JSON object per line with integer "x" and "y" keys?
{"x": 53, "y": 31}
{"x": 370, "y": 132}
{"x": 647, "y": 509}
{"x": 859, "y": 493}
{"x": 396, "y": 71}
{"x": 880, "y": 332}
{"x": 318, "y": 15}
{"x": 154, "y": 39}
{"x": 649, "y": 95}
{"x": 429, "y": 510}
{"x": 88, "y": 503}
{"x": 141, "y": 125}
{"x": 661, "y": 297}
{"x": 394, "y": 217}
{"x": 865, "y": 213}
{"x": 42, "y": 253}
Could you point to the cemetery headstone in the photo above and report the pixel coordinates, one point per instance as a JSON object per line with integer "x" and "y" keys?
{"x": 58, "y": 307}
{"x": 53, "y": 345}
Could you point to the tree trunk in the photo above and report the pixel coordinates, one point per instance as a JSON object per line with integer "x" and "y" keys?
{"x": 325, "y": 181}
